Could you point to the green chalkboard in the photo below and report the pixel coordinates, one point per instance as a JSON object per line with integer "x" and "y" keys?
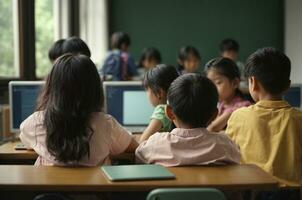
{"x": 170, "y": 24}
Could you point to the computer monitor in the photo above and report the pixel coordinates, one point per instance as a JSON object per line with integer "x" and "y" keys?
{"x": 22, "y": 100}
{"x": 293, "y": 95}
{"x": 127, "y": 102}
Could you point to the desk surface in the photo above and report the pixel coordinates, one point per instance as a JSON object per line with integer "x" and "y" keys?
{"x": 22, "y": 177}
{"x": 8, "y": 152}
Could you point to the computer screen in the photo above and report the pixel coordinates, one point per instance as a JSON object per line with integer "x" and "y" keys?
{"x": 127, "y": 102}
{"x": 293, "y": 96}
{"x": 23, "y": 98}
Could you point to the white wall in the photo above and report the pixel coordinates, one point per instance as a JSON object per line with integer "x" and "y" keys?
{"x": 94, "y": 27}
{"x": 293, "y": 37}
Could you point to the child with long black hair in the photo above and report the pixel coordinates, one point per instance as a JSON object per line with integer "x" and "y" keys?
{"x": 69, "y": 127}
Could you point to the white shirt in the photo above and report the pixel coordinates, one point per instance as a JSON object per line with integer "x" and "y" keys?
{"x": 188, "y": 147}
{"x": 108, "y": 138}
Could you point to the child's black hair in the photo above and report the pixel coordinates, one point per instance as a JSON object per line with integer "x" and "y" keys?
{"x": 71, "y": 94}
{"x": 184, "y": 54}
{"x": 55, "y": 50}
{"x": 160, "y": 77}
{"x": 118, "y": 39}
{"x": 193, "y": 99}
{"x": 75, "y": 45}
{"x": 229, "y": 44}
{"x": 225, "y": 67}
{"x": 150, "y": 53}
{"x": 271, "y": 68}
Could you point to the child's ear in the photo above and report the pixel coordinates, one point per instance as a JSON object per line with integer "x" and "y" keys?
{"x": 161, "y": 94}
{"x": 253, "y": 84}
{"x": 169, "y": 113}
{"x": 236, "y": 83}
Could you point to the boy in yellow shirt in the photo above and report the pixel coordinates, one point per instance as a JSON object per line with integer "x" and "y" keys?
{"x": 269, "y": 133}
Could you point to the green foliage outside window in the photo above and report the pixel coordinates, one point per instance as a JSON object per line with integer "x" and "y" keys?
{"x": 6, "y": 39}
{"x": 44, "y": 35}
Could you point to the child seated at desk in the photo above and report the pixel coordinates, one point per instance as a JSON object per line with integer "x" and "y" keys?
{"x": 192, "y": 105}
{"x": 55, "y": 50}
{"x": 70, "y": 45}
{"x": 188, "y": 60}
{"x": 69, "y": 127}
{"x": 269, "y": 133}
{"x": 229, "y": 48}
{"x": 224, "y": 73}
{"x": 150, "y": 58}
{"x": 157, "y": 82}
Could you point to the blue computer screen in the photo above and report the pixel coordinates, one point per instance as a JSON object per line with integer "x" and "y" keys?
{"x": 129, "y": 105}
{"x": 293, "y": 96}
{"x": 24, "y": 99}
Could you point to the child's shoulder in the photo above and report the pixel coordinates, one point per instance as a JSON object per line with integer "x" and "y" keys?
{"x": 243, "y": 111}
{"x": 296, "y": 113}
{"x": 32, "y": 122}
{"x": 160, "y": 107}
{"x": 112, "y": 54}
{"x": 159, "y": 137}
{"x": 101, "y": 117}
{"x": 241, "y": 102}
{"x": 35, "y": 118}
{"x": 159, "y": 111}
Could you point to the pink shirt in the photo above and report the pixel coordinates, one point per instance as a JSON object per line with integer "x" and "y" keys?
{"x": 188, "y": 147}
{"x": 108, "y": 138}
{"x": 236, "y": 103}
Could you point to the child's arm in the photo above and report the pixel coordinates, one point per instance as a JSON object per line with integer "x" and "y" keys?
{"x": 220, "y": 122}
{"x": 154, "y": 126}
{"x": 132, "y": 146}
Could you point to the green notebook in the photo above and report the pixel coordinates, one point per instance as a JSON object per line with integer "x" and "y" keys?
{"x": 136, "y": 172}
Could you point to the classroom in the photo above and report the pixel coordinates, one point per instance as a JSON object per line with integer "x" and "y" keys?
{"x": 150, "y": 100}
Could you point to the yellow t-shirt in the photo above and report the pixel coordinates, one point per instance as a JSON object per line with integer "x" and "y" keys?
{"x": 269, "y": 135}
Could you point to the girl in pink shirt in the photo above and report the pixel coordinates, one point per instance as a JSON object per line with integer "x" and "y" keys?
{"x": 225, "y": 74}
{"x": 69, "y": 127}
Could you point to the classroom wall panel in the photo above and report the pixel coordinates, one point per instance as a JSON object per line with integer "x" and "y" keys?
{"x": 293, "y": 37}
{"x": 169, "y": 24}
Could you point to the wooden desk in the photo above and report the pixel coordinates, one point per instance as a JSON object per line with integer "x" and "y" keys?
{"x": 8, "y": 154}
{"x": 31, "y": 178}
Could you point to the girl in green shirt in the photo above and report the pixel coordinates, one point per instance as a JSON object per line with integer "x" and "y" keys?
{"x": 157, "y": 82}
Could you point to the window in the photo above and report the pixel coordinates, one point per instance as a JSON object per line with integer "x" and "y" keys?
{"x": 44, "y": 22}
{"x": 8, "y": 50}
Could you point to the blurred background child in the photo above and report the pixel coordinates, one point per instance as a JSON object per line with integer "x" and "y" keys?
{"x": 119, "y": 65}
{"x": 188, "y": 60}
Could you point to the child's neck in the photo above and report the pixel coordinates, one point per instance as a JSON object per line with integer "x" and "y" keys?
{"x": 270, "y": 97}
{"x": 229, "y": 100}
{"x": 184, "y": 126}
{"x": 162, "y": 101}
{"x": 180, "y": 124}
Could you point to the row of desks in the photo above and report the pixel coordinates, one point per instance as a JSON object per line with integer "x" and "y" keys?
{"x": 24, "y": 177}
{"x": 30, "y": 178}
{"x": 8, "y": 154}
